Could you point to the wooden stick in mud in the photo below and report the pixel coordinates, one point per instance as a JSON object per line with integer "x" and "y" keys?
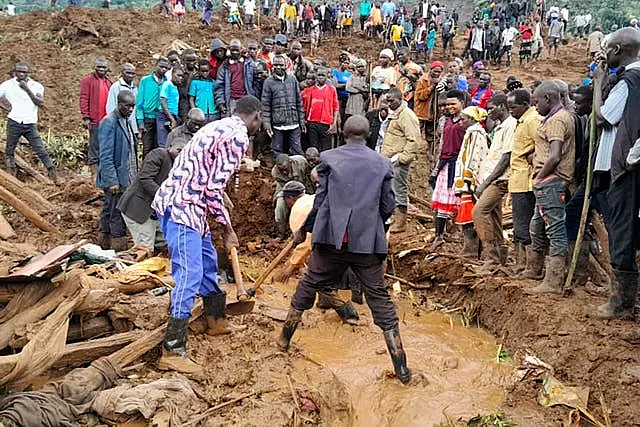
{"x": 406, "y": 282}
{"x": 26, "y": 211}
{"x": 283, "y": 253}
{"x": 210, "y": 411}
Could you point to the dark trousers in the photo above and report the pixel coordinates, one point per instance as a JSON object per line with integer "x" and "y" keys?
{"x": 573, "y": 210}
{"x": 93, "y": 156}
{"x": 149, "y": 137}
{"x": 30, "y": 131}
{"x": 363, "y": 20}
{"x": 111, "y": 221}
{"x": 342, "y": 101}
{"x": 522, "y": 206}
{"x": 624, "y": 224}
{"x": 326, "y": 267}
{"x": 477, "y": 55}
{"x": 317, "y": 133}
{"x": 286, "y": 139}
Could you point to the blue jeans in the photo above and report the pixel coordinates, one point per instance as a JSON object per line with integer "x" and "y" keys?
{"x": 161, "y": 129}
{"x": 574, "y": 210}
{"x": 548, "y": 222}
{"x": 194, "y": 265}
{"x": 286, "y": 139}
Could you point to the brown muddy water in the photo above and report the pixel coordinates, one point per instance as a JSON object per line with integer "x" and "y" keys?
{"x": 459, "y": 364}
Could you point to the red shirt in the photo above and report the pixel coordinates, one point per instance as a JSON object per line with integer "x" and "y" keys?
{"x": 480, "y": 97}
{"x": 237, "y": 80}
{"x": 214, "y": 63}
{"x": 323, "y": 104}
{"x": 452, "y": 136}
{"x": 266, "y": 58}
{"x": 102, "y": 97}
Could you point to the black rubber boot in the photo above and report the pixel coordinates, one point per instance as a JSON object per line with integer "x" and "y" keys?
{"x": 174, "y": 349}
{"x": 398, "y": 356}
{"x": 348, "y": 314}
{"x": 624, "y": 289}
{"x": 290, "y": 325}
{"x": 356, "y": 291}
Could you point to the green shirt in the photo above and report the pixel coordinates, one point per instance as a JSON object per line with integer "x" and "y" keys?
{"x": 148, "y": 102}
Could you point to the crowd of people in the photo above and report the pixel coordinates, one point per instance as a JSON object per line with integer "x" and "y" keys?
{"x": 340, "y": 143}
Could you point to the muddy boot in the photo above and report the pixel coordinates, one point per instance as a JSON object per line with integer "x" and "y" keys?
{"x": 521, "y": 258}
{"x": 399, "y": 222}
{"x": 356, "y": 291}
{"x": 53, "y": 176}
{"x": 534, "y": 266}
{"x": 471, "y": 244}
{"x": 290, "y": 325}
{"x": 553, "y": 281}
{"x": 326, "y": 300}
{"x": 119, "y": 244}
{"x": 214, "y": 307}
{"x": 104, "y": 240}
{"x": 581, "y": 273}
{"x": 494, "y": 255}
{"x": 398, "y": 357}
{"x": 174, "y": 349}
{"x": 348, "y": 314}
{"x": 624, "y": 288}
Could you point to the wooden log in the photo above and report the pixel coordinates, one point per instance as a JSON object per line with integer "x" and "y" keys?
{"x": 83, "y": 330}
{"x": 27, "y": 296}
{"x": 39, "y": 310}
{"x": 23, "y": 165}
{"x": 26, "y": 211}
{"x": 85, "y": 352}
{"x": 6, "y": 230}
{"x": 29, "y": 196}
{"x": 98, "y": 300}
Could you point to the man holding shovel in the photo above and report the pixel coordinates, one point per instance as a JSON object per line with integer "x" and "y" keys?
{"x": 194, "y": 190}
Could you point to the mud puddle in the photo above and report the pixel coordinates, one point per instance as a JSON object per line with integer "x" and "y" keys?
{"x": 459, "y": 364}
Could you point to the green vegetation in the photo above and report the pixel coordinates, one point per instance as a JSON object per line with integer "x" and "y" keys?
{"x": 497, "y": 419}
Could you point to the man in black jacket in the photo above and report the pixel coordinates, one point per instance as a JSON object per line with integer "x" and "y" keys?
{"x": 377, "y": 119}
{"x": 348, "y": 231}
{"x": 135, "y": 203}
{"x": 282, "y": 110}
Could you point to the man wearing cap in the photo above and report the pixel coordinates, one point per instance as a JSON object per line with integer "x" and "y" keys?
{"x": 280, "y": 48}
{"x": 383, "y": 76}
{"x": 287, "y": 169}
{"x": 349, "y": 232}
{"x": 135, "y": 203}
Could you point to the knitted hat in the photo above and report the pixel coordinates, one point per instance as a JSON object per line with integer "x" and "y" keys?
{"x": 293, "y": 189}
{"x": 388, "y": 53}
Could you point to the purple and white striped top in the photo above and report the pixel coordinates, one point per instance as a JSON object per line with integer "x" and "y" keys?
{"x": 200, "y": 173}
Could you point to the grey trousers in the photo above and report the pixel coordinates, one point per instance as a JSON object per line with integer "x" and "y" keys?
{"x": 147, "y": 234}
{"x": 400, "y": 184}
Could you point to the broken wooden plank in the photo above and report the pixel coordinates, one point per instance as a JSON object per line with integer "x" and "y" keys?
{"x": 26, "y": 211}
{"x": 23, "y": 165}
{"x": 85, "y": 352}
{"x": 83, "y": 330}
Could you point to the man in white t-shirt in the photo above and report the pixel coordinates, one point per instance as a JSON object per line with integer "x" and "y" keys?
{"x": 249, "y": 7}
{"x": 25, "y": 96}
{"x": 509, "y": 35}
{"x": 11, "y": 9}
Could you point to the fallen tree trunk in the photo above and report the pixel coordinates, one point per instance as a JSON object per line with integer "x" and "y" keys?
{"x": 86, "y": 329}
{"x": 26, "y": 211}
{"x": 85, "y": 352}
{"x": 23, "y": 165}
{"x": 29, "y": 196}
{"x": 6, "y": 230}
{"x": 26, "y": 296}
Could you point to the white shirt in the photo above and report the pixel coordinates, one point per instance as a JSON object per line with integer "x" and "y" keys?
{"x": 425, "y": 10}
{"x": 11, "y": 9}
{"x": 23, "y": 110}
{"x": 587, "y": 18}
{"x": 232, "y": 5}
{"x": 580, "y": 21}
{"x": 508, "y": 36}
{"x": 477, "y": 40}
{"x": 249, "y": 7}
{"x": 565, "y": 14}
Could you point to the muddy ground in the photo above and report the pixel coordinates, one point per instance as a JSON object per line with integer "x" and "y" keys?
{"x": 328, "y": 386}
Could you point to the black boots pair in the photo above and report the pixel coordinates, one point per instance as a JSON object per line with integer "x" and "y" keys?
{"x": 392, "y": 338}
{"x": 330, "y": 300}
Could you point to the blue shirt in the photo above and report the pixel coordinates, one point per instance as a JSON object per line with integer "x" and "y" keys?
{"x": 388, "y": 9}
{"x": 342, "y": 77}
{"x": 202, "y": 91}
{"x": 169, "y": 91}
{"x": 463, "y": 85}
{"x": 365, "y": 8}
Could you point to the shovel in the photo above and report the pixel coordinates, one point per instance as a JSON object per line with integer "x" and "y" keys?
{"x": 243, "y": 305}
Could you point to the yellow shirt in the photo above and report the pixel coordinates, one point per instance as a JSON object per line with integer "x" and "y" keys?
{"x": 396, "y": 33}
{"x": 520, "y": 180}
{"x": 376, "y": 16}
{"x": 290, "y": 12}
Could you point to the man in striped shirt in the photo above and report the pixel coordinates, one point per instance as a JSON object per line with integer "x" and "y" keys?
{"x": 195, "y": 189}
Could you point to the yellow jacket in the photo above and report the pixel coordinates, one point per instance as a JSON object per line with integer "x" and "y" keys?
{"x": 290, "y": 12}
{"x": 402, "y": 137}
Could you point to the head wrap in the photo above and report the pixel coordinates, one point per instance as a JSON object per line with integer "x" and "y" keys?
{"x": 360, "y": 62}
{"x": 478, "y": 64}
{"x": 293, "y": 189}
{"x": 435, "y": 64}
{"x": 388, "y": 53}
{"x": 476, "y": 113}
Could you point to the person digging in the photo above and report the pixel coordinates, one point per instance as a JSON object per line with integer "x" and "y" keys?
{"x": 194, "y": 190}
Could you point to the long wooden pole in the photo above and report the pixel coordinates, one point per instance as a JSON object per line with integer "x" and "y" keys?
{"x": 587, "y": 193}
